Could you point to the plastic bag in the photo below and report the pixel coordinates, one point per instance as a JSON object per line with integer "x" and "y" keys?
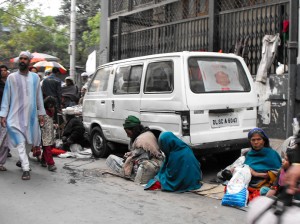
{"x": 236, "y": 200}
{"x": 76, "y": 148}
{"x": 240, "y": 179}
{"x": 236, "y": 192}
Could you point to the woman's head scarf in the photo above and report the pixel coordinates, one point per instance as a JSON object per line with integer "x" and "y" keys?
{"x": 131, "y": 121}
{"x": 261, "y": 133}
{"x": 169, "y": 142}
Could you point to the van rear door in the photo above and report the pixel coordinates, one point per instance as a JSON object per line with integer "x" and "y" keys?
{"x": 163, "y": 95}
{"x": 220, "y": 97}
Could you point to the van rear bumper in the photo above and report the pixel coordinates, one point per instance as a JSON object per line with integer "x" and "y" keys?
{"x": 221, "y": 146}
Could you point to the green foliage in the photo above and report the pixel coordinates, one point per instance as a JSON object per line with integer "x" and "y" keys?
{"x": 29, "y": 30}
{"x": 87, "y": 35}
{"x": 91, "y": 37}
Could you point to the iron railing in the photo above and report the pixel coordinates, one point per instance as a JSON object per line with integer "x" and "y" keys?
{"x": 185, "y": 25}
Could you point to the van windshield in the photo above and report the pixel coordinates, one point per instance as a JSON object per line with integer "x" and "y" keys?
{"x": 211, "y": 74}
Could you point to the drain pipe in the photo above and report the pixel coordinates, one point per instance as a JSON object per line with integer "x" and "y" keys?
{"x": 292, "y": 56}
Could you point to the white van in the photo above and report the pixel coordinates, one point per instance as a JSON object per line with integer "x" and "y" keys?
{"x": 206, "y": 99}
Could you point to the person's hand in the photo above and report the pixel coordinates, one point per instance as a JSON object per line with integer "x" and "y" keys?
{"x": 127, "y": 154}
{"x": 257, "y": 174}
{"x": 271, "y": 192}
{"x": 41, "y": 120}
{"x": 291, "y": 178}
{"x": 3, "y": 122}
{"x": 55, "y": 126}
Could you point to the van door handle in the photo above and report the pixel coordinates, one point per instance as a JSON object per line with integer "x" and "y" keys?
{"x": 102, "y": 101}
{"x": 113, "y": 105}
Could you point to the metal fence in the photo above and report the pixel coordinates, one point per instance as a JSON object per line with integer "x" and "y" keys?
{"x": 169, "y": 26}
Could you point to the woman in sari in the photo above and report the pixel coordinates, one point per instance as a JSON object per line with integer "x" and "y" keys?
{"x": 180, "y": 171}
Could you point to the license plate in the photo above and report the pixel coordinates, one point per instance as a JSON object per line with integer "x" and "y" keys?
{"x": 224, "y": 120}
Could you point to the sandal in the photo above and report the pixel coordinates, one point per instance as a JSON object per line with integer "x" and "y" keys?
{"x": 18, "y": 164}
{"x": 2, "y": 168}
{"x": 26, "y": 175}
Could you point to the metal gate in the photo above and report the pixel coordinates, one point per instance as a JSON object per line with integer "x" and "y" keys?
{"x": 144, "y": 27}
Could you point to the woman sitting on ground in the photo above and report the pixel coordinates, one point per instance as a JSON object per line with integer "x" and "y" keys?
{"x": 180, "y": 171}
{"x": 264, "y": 162}
{"x": 261, "y": 158}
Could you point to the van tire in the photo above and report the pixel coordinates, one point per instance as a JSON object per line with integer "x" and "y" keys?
{"x": 99, "y": 145}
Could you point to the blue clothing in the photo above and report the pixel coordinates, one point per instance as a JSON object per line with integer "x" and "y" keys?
{"x": 263, "y": 160}
{"x": 22, "y": 102}
{"x": 180, "y": 171}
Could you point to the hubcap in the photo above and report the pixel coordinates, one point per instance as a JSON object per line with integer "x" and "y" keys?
{"x": 97, "y": 142}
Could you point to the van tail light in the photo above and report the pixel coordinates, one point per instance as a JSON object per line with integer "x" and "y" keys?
{"x": 185, "y": 123}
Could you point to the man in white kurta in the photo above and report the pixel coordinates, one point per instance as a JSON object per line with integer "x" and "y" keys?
{"x": 22, "y": 110}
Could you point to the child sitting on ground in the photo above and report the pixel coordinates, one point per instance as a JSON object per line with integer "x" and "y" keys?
{"x": 48, "y": 134}
{"x": 278, "y": 185}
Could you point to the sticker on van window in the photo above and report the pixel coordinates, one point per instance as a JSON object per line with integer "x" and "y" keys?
{"x": 220, "y": 76}
{"x": 224, "y": 120}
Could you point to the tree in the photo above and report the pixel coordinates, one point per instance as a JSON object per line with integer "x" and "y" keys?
{"x": 91, "y": 37}
{"x": 29, "y": 30}
{"x": 87, "y": 13}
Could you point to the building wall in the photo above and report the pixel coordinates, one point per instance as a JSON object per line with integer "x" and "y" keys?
{"x": 160, "y": 26}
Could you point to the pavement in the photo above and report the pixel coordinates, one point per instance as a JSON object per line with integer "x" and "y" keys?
{"x": 276, "y": 143}
{"x": 78, "y": 192}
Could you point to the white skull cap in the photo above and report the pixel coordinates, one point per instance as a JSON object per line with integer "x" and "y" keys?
{"x": 26, "y": 54}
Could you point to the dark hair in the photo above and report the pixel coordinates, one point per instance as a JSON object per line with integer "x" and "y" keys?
{"x": 261, "y": 133}
{"x": 3, "y": 66}
{"x": 137, "y": 130}
{"x": 290, "y": 154}
{"x": 55, "y": 70}
{"x": 49, "y": 102}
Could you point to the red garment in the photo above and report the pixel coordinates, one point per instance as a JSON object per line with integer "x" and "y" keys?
{"x": 49, "y": 113}
{"x": 155, "y": 186}
{"x": 253, "y": 193}
{"x": 47, "y": 155}
{"x": 36, "y": 151}
{"x": 285, "y": 28}
{"x": 57, "y": 152}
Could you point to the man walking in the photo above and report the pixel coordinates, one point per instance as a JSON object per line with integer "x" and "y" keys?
{"x": 22, "y": 110}
{"x": 52, "y": 87}
{"x": 4, "y": 150}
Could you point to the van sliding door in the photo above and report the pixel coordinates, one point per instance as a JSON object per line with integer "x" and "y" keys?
{"x": 125, "y": 98}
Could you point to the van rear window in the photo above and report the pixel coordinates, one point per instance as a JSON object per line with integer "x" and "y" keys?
{"x": 217, "y": 75}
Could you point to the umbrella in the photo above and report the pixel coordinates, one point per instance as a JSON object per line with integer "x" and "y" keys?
{"x": 44, "y": 65}
{"x": 37, "y": 57}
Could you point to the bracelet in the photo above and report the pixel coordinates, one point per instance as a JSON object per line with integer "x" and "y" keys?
{"x": 296, "y": 164}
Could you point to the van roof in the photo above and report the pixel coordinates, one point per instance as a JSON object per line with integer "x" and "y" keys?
{"x": 174, "y": 54}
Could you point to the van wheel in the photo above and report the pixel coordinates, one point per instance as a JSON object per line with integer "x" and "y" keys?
{"x": 98, "y": 143}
